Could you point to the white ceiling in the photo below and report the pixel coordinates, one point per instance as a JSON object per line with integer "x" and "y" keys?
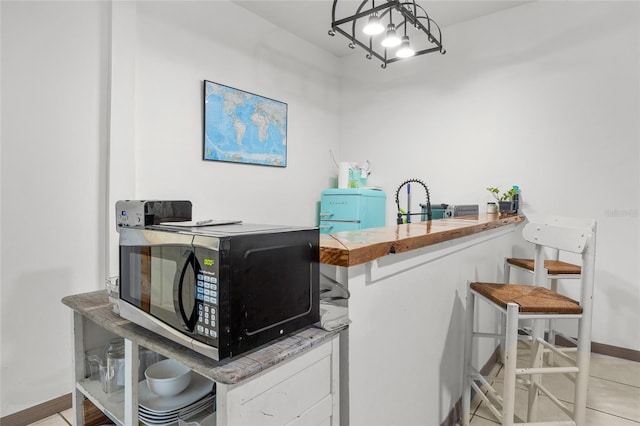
{"x": 311, "y": 19}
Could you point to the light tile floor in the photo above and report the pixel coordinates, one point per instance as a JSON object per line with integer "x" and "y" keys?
{"x": 60, "y": 419}
{"x": 614, "y": 397}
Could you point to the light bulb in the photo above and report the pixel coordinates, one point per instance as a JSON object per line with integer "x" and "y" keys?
{"x": 373, "y": 27}
{"x": 392, "y": 39}
{"x": 405, "y": 50}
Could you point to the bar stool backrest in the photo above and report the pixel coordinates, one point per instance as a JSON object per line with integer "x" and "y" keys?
{"x": 570, "y": 222}
{"x": 558, "y": 236}
{"x": 565, "y": 234}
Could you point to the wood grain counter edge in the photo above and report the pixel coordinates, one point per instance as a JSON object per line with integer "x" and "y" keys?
{"x": 349, "y": 248}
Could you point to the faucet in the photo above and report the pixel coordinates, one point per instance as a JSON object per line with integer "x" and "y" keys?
{"x": 408, "y": 213}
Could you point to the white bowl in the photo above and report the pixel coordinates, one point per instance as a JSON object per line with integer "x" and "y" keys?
{"x": 167, "y": 377}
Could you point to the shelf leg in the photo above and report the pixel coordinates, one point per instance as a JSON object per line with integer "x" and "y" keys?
{"x": 78, "y": 368}
{"x": 131, "y": 362}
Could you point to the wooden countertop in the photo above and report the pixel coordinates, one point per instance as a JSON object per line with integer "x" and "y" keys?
{"x": 95, "y": 306}
{"x": 349, "y": 248}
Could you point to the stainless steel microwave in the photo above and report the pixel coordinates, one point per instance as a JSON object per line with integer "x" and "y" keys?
{"x": 220, "y": 290}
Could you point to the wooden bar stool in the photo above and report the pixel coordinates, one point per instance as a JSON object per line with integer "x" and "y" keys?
{"x": 539, "y": 304}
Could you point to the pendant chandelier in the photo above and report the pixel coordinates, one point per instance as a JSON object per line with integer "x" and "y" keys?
{"x": 392, "y": 31}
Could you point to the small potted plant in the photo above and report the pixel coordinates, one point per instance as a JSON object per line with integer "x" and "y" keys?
{"x": 505, "y": 200}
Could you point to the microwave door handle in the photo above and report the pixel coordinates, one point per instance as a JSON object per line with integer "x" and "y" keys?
{"x": 194, "y": 312}
{"x": 189, "y": 323}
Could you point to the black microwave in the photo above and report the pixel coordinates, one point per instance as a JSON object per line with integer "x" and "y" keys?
{"x": 220, "y": 290}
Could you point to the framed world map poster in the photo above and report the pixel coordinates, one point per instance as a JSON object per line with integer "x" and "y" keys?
{"x": 241, "y": 127}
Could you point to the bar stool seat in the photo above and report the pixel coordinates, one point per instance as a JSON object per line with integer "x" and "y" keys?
{"x": 528, "y": 298}
{"x": 553, "y": 267}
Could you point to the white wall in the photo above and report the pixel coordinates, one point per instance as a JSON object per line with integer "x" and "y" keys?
{"x": 54, "y": 64}
{"x": 56, "y": 113}
{"x": 498, "y": 93}
{"x": 550, "y": 107}
{"x": 179, "y": 46}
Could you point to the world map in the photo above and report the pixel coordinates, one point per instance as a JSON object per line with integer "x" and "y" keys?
{"x": 244, "y": 128}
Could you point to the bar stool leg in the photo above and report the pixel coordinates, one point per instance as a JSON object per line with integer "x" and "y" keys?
{"x": 551, "y": 338}
{"x": 540, "y": 278}
{"x": 537, "y": 332}
{"x": 583, "y": 361}
{"x": 506, "y": 272}
{"x": 468, "y": 342}
{"x": 506, "y": 276}
{"x": 583, "y": 355}
{"x": 511, "y": 350}
{"x": 580, "y": 401}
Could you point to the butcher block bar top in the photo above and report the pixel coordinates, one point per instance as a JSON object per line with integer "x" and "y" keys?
{"x": 349, "y": 248}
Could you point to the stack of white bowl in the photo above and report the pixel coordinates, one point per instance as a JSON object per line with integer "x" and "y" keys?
{"x": 171, "y": 391}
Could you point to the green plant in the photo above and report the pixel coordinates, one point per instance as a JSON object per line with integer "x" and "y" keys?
{"x": 505, "y": 196}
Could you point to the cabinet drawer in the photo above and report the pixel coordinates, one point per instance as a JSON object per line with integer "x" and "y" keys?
{"x": 299, "y": 389}
{"x": 320, "y": 414}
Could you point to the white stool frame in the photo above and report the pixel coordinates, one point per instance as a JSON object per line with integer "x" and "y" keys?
{"x": 557, "y": 233}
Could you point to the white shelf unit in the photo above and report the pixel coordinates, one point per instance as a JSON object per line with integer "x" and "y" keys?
{"x": 299, "y": 390}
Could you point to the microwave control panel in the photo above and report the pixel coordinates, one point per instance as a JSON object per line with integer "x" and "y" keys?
{"x": 207, "y": 300}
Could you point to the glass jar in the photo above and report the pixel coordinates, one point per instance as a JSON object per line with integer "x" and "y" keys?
{"x": 114, "y": 373}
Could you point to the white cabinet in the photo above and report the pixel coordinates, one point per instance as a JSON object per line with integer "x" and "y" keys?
{"x": 294, "y": 381}
{"x": 302, "y": 391}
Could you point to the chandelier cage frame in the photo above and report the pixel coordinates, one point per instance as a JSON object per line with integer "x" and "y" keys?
{"x": 409, "y": 14}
